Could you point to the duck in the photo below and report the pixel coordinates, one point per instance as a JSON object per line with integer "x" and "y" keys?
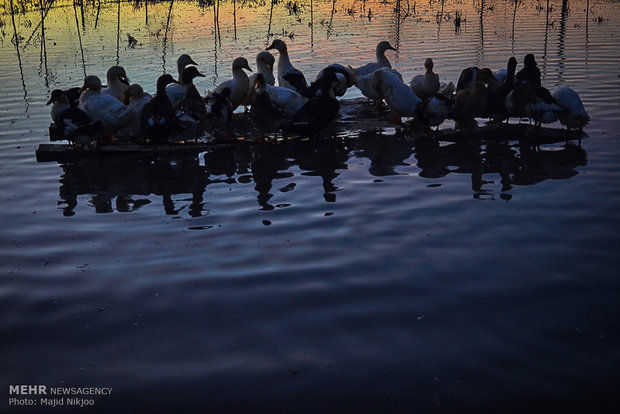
{"x": 265, "y": 114}
{"x": 74, "y": 95}
{"x": 288, "y": 76}
{"x": 434, "y": 110}
{"x": 320, "y": 110}
{"x": 573, "y": 114}
{"x": 239, "y": 84}
{"x": 380, "y": 62}
{"x": 496, "y": 105}
{"x": 401, "y": 100}
{"x": 118, "y": 82}
{"x": 344, "y": 80}
{"x": 501, "y": 74}
{"x": 112, "y": 113}
{"x": 471, "y": 75}
{"x": 530, "y": 72}
{"x": 264, "y": 66}
{"x": 175, "y": 90}
{"x": 427, "y": 85}
{"x": 471, "y": 102}
{"x": 190, "y": 112}
{"x": 219, "y": 109}
{"x": 287, "y": 100}
{"x": 135, "y": 99}
{"x": 75, "y": 125}
{"x": 447, "y": 89}
{"x": 364, "y": 84}
{"x": 533, "y": 101}
{"x": 157, "y": 120}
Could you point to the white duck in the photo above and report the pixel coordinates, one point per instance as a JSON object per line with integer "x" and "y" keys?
{"x": 118, "y": 82}
{"x": 364, "y": 84}
{"x": 239, "y": 84}
{"x": 573, "y": 113}
{"x": 288, "y": 76}
{"x": 401, "y": 100}
{"x": 264, "y": 66}
{"x": 175, "y": 91}
{"x": 381, "y": 62}
{"x": 434, "y": 110}
{"x": 285, "y": 99}
{"x": 112, "y": 113}
{"x": 427, "y": 85}
{"x": 136, "y": 100}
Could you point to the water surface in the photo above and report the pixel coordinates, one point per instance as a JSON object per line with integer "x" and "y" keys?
{"x": 355, "y": 272}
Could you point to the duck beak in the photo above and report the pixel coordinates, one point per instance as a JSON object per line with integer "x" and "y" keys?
{"x": 270, "y": 47}
{"x": 200, "y": 74}
{"x": 191, "y": 62}
{"x": 124, "y": 79}
{"x": 50, "y": 101}
{"x": 248, "y": 68}
{"x": 392, "y": 48}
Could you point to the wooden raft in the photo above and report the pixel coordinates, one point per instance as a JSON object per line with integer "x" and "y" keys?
{"x": 356, "y": 115}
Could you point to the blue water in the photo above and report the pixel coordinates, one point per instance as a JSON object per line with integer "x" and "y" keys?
{"x": 355, "y": 272}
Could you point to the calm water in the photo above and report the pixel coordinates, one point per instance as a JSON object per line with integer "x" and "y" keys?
{"x": 360, "y": 272}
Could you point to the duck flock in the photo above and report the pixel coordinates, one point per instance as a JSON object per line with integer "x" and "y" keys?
{"x": 177, "y": 111}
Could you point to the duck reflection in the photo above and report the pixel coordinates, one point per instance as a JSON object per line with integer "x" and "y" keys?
{"x": 128, "y": 184}
{"x": 519, "y": 164}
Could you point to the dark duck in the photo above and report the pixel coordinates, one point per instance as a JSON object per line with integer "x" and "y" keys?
{"x": 75, "y": 125}
{"x": 190, "y": 111}
{"x": 219, "y": 110}
{"x": 530, "y": 72}
{"x": 319, "y": 111}
{"x": 157, "y": 120}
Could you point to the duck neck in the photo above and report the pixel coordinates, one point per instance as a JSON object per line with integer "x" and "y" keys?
{"x": 239, "y": 73}
{"x": 161, "y": 90}
{"x": 284, "y": 63}
{"x": 381, "y": 59}
{"x": 190, "y": 91}
{"x": 180, "y": 68}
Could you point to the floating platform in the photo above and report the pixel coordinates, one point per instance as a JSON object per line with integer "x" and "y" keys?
{"x": 356, "y": 115}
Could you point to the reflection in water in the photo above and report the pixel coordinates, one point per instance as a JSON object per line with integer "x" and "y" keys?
{"x": 480, "y": 51}
{"x": 79, "y": 33}
{"x": 15, "y": 40}
{"x": 165, "y": 42}
{"x": 562, "y": 40}
{"x": 43, "y": 61}
{"x": 130, "y": 183}
{"x": 118, "y": 31}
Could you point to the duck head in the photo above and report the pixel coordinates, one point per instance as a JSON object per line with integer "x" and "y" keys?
{"x": 58, "y": 96}
{"x": 190, "y": 73}
{"x": 383, "y": 46}
{"x": 241, "y": 63}
{"x": 91, "y": 82}
{"x": 265, "y": 58}
{"x": 428, "y": 65}
{"x": 134, "y": 91}
{"x": 117, "y": 72}
{"x": 529, "y": 60}
{"x": 278, "y": 45}
{"x": 163, "y": 81}
{"x": 185, "y": 60}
